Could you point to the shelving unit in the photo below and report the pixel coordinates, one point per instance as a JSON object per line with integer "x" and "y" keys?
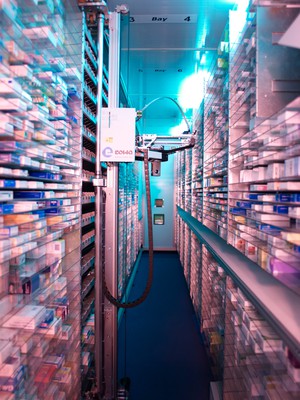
{"x": 40, "y": 141}
{"x": 216, "y": 142}
{"x": 263, "y": 144}
{"x": 196, "y": 277}
{"x": 248, "y": 356}
{"x": 197, "y": 165}
{"x": 130, "y": 238}
{"x": 89, "y": 96}
{"x": 245, "y": 205}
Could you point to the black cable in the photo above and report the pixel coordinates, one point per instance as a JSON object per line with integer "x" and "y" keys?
{"x": 143, "y": 297}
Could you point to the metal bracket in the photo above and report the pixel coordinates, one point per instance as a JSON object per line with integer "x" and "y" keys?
{"x": 100, "y": 6}
{"x": 123, "y": 9}
{"x": 160, "y": 147}
{"x": 100, "y": 182}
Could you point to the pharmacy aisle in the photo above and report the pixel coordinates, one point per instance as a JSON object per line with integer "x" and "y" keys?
{"x": 160, "y": 349}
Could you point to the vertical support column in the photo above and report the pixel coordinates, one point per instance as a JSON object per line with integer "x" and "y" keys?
{"x": 111, "y": 222}
{"x": 98, "y": 222}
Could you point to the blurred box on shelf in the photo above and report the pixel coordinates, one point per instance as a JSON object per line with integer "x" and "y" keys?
{"x": 259, "y": 174}
{"x": 283, "y": 255}
{"x": 9, "y": 7}
{"x": 277, "y": 267}
{"x": 268, "y": 340}
{"x": 4, "y": 268}
{"x": 273, "y": 185}
{"x": 243, "y": 301}
{"x": 253, "y": 320}
{"x": 60, "y": 283}
{"x": 86, "y": 358}
{"x": 6, "y": 348}
{"x": 66, "y": 332}
{"x": 235, "y": 318}
{"x": 11, "y": 364}
{"x": 53, "y": 329}
{"x": 6, "y": 195}
{"x": 12, "y": 104}
{"x": 293, "y": 367}
{"x": 254, "y": 386}
{"x": 278, "y": 220}
{"x": 45, "y": 373}
{"x": 11, "y": 384}
{"x": 9, "y": 87}
{"x": 275, "y": 171}
{"x": 24, "y": 341}
{"x": 256, "y": 348}
{"x": 5, "y": 255}
{"x": 294, "y": 212}
{"x": 295, "y": 197}
{"x": 42, "y": 36}
{"x": 262, "y": 258}
{"x": 56, "y": 360}
{"x": 61, "y": 306}
{"x": 292, "y": 237}
{"x": 28, "y": 317}
{"x": 48, "y": 319}
{"x": 22, "y": 71}
{"x": 258, "y": 188}
{"x": 277, "y": 242}
{"x": 37, "y": 253}
{"x": 281, "y": 209}
{"x": 56, "y": 248}
{"x": 295, "y": 186}
{"x": 40, "y": 346}
{"x": 23, "y": 283}
{"x": 63, "y": 375}
{"x": 232, "y": 295}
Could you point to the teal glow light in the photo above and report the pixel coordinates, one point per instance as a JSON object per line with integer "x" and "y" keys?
{"x": 238, "y": 18}
{"x": 178, "y": 129}
{"x": 203, "y": 59}
{"x": 191, "y": 91}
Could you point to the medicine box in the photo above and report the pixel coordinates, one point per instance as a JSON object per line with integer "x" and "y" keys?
{"x": 289, "y": 186}
{"x": 45, "y": 373}
{"x": 56, "y": 248}
{"x": 282, "y": 209}
{"x": 6, "y": 195}
{"x": 56, "y": 360}
{"x": 275, "y": 171}
{"x": 294, "y": 212}
{"x": 6, "y": 348}
{"x": 8, "y": 231}
{"x": 66, "y": 332}
{"x": 268, "y": 340}
{"x": 37, "y": 252}
{"x": 10, "y": 384}
{"x": 53, "y": 329}
{"x": 10, "y": 87}
{"x": 11, "y": 364}
{"x": 29, "y": 317}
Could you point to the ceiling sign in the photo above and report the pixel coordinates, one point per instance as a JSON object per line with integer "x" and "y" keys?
{"x": 164, "y": 19}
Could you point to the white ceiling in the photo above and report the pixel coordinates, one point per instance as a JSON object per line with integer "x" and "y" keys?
{"x": 159, "y": 50}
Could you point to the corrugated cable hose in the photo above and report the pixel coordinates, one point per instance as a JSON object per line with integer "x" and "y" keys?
{"x": 143, "y": 297}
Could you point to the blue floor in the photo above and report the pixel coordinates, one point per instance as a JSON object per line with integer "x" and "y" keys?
{"x": 160, "y": 348}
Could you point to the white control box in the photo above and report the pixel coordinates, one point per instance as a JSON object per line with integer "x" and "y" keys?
{"x": 118, "y": 134}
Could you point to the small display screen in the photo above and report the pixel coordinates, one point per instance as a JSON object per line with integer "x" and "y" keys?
{"x": 159, "y": 219}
